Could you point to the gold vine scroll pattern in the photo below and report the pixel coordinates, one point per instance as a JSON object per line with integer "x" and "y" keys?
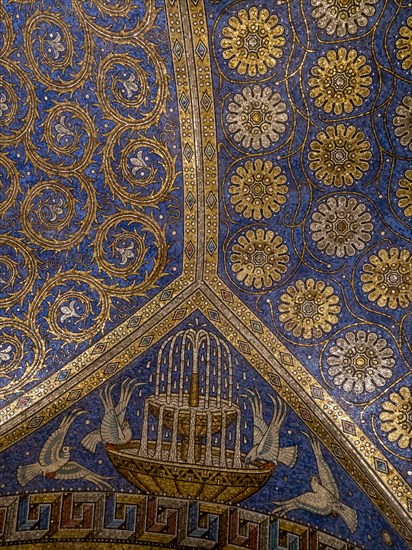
{"x": 61, "y": 139}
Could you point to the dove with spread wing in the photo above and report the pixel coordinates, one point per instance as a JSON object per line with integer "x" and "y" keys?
{"x": 324, "y": 499}
{"x": 115, "y": 428}
{"x": 266, "y": 451}
{"x": 54, "y": 460}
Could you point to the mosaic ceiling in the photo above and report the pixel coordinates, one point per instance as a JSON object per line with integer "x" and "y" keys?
{"x": 206, "y": 273}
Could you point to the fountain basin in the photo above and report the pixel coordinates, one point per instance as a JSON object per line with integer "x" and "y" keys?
{"x": 226, "y": 485}
{"x": 188, "y": 414}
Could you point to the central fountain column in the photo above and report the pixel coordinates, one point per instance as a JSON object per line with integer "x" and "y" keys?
{"x": 191, "y": 427}
{"x": 191, "y": 444}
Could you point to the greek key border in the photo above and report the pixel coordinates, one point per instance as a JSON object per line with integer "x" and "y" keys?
{"x": 199, "y": 288}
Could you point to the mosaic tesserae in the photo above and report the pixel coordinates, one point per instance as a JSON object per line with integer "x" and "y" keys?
{"x": 206, "y": 274}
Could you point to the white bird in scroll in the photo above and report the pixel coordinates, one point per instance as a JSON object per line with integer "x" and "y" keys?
{"x": 54, "y": 460}
{"x": 266, "y": 451}
{"x": 324, "y": 499}
{"x": 115, "y": 428}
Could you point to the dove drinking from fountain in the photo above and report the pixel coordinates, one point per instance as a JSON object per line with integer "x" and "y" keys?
{"x": 266, "y": 451}
{"x": 115, "y": 428}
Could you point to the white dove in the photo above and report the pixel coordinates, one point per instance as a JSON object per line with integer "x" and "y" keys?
{"x": 324, "y": 498}
{"x": 266, "y": 451}
{"x": 54, "y": 460}
{"x": 115, "y": 428}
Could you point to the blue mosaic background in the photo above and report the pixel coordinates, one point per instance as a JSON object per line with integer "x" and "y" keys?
{"x": 58, "y": 275}
{"x": 376, "y": 188}
{"x": 284, "y": 483}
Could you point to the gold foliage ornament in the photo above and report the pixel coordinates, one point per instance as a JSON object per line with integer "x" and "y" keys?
{"x": 74, "y": 315}
{"x": 253, "y": 41}
{"x": 49, "y": 210}
{"x": 396, "y": 418}
{"x": 57, "y": 49}
{"x": 12, "y": 189}
{"x": 123, "y": 76}
{"x": 128, "y": 251}
{"x": 18, "y": 270}
{"x": 340, "y": 81}
{"x": 259, "y": 258}
{"x": 68, "y": 131}
{"x": 387, "y": 278}
{"x": 115, "y": 8}
{"x": 120, "y": 8}
{"x": 139, "y": 182}
{"x": 339, "y": 155}
{"x": 309, "y": 309}
{"x": 56, "y": 213}
{"x": 258, "y": 189}
{"x": 22, "y": 354}
{"x": 16, "y": 115}
{"x": 8, "y": 36}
